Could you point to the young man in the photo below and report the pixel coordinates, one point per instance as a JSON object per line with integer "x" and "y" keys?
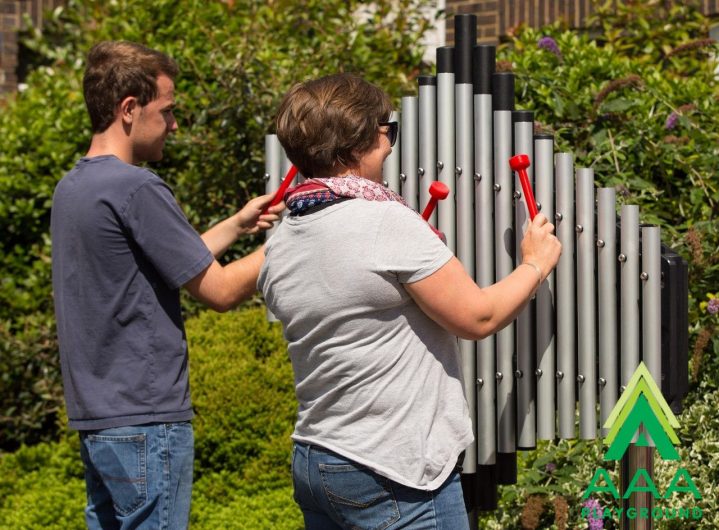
{"x": 122, "y": 248}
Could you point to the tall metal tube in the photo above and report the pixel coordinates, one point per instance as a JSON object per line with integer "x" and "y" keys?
{"x": 526, "y": 384}
{"x": 503, "y": 105}
{"x": 566, "y": 297}
{"x": 409, "y": 152}
{"x": 652, "y": 301}
{"x": 629, "y": 298}
{"x": 390, "y": 168}
{"x": 463, "y": 173}
{"x": 273, "y": 169}
{"x": 546, "y": 296}
{"x": 446, "y": 209}
{"x": 586, "y": 305}
{"x": 427, "y": 170}
{"x": 607, "y": 284}
{"x": 484, "y": 63}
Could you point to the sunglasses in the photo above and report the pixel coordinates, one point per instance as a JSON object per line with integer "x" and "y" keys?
{"x": 392, "y": 131}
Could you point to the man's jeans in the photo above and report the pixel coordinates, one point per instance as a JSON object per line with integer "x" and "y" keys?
{"x": 138, "y": 477}
{"x": 335, "y": 493}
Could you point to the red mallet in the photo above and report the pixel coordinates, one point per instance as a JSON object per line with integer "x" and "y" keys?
{"x": 520, "y": 163}
{"x": 282, "y": 189}
{"x": 438, "y": 191}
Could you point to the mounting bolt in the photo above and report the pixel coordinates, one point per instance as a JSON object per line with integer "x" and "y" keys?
{"x": 477, "y": 177}
{"x": 622, "y": 258}
{"x": 402, "y": 177}
{"x": 600, "y": 243}
{"x": 559, "y": 374}
{"x": 580, "y": 378}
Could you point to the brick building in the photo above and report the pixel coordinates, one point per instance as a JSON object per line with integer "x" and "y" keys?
{"x": 12, "y": 16}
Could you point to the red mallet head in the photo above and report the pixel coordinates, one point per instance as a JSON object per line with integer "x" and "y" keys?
{"x": 438, "y": 191}
{"x": 520, "y": 163}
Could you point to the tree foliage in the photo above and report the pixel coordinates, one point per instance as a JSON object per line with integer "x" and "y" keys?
{"x": 237, "y": 59}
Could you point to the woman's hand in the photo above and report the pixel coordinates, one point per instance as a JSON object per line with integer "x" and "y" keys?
{"x": 540, "y": 246}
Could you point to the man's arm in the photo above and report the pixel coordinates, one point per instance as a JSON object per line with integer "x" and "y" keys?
{"x": 222, "y": 288}
{"x": 248, "y": 221}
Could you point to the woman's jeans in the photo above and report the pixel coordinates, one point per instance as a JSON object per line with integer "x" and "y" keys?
{"x": 138, "y": 477}
{"x": 336, "y": 493}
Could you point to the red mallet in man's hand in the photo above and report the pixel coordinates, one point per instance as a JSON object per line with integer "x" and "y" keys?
{"x": 282, "y": 189}
{"x": 520, "y": 163}
{"x": 438, "y": 191}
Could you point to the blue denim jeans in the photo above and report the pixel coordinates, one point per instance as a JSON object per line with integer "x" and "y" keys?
{"x": 138, "y": 477}
{"x": 336, "y": 493}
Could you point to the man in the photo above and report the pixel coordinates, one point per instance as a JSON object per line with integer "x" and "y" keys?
{"x": 122, "y": 248}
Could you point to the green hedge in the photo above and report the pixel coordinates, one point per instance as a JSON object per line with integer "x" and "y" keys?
{"x": 243, "y": 394}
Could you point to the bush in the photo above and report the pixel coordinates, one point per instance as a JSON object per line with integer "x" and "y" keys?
{"x": 243, "y": 394}
{"x": 237, "y": 59}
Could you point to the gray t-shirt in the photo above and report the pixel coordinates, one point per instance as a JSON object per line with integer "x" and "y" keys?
{"x": 376, "y": 379}
{"x": 121, "y": 249}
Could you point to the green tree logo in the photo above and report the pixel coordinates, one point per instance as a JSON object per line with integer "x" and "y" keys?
{"x": 642, "y": 410}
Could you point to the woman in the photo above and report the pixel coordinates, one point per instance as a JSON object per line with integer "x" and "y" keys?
{"x": 371, "y": 302}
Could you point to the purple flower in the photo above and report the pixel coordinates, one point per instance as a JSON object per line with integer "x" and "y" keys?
{"x": 713, "y": 306}
{"x": 549, "y": 44}
{"x": 671, "y": 121}
{"x": 549, "y": 468}
{"x": 594, "y": 509}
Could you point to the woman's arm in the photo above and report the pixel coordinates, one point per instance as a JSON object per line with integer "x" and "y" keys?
{"x": 450, "y": 297}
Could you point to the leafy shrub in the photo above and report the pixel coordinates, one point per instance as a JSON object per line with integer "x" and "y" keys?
{"x": 237, "y": 59}
{"x": 243, "y": 393}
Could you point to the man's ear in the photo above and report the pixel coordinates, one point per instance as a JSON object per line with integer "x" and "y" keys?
{"x": 127, "y": 109}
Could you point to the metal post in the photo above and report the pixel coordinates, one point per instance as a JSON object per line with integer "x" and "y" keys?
{"x": 607, "y": 281}
{"x": 274, "y": 155}
{"x": 409, "y": 152}
{"x": 462, "y": 173}
{"x": 483, "y": 68}
{"x": 586, "y": 305}
{"x": 525, "y": 378}
{"x": 630, "y": 326}
{"x": 566, "y": 297}
{"x": 503, "y": 105}
{"x": 446, "y": 209}
{"x": 427, "y": 170}
{"x": 390, "y": 168}
{"x": 545, "y": 304}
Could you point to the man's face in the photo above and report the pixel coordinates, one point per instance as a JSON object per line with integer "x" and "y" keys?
{"x": 153, "y": 122}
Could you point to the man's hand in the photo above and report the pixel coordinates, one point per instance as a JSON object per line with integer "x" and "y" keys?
{"x": 250, "y": 220}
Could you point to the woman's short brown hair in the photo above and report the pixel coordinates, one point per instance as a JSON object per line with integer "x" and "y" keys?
{"x": 118, "y": 69}
{"x": 327, "y": 123}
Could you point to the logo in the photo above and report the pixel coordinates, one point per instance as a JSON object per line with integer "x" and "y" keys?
{"x": 641, "y": 417}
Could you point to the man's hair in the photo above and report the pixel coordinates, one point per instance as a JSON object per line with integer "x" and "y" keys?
{"x": 329, "y": 123}
{"x": 116, "y": 70}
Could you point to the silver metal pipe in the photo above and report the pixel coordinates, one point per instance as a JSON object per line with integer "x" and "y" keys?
{"x": 525, "y": 379}
{"x": 652, "y": 301}
{"x": 427, "y": 170}
{"x": 503, "y": 104}
{"x": 546, "y": 296}
{"x": 586, "y": 305}
{"x": 607, "y": 282}
{"x": 566, "y": 373}
{"x": 483, "y": 62}
{"x": 629, "y": 297}
{"x": 409, "y": 152}
{"x": 274, "y": 155}
{"x": 390, "y": 168}
{"x": 446, "y": 214}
